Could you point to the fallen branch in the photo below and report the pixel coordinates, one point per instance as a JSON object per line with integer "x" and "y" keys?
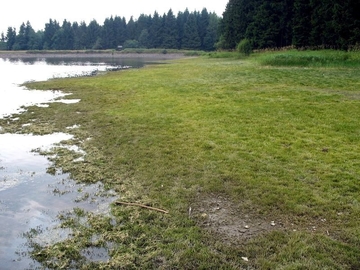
{"x": 143, "y": 206}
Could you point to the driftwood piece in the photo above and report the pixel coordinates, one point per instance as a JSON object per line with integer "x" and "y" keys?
{"x": 143, "y": 206}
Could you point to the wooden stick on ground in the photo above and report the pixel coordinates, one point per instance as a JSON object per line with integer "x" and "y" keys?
{"x": 143, "y": 206}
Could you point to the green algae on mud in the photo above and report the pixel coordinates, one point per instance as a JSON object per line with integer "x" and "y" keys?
{"x": 224, "y": 145}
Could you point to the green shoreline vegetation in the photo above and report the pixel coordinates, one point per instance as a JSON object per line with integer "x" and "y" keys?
{"x": 276, "y": 134}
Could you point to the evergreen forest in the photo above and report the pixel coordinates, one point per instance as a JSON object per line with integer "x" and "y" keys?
{"x": 328, "y": 24}
{"x": 188, "y": 30}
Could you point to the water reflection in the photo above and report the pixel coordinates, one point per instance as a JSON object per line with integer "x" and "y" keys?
{"x": 83, "y": 61}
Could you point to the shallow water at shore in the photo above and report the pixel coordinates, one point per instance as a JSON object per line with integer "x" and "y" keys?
{"x": 17, "y": 71}
{"x": 31, "y": 198}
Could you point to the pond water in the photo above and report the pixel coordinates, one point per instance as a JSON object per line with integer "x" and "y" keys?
{"x": 30, "y": 198}
{"x": 17, "y": 71}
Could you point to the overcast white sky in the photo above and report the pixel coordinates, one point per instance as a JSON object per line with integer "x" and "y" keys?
{"x": 38, "y": 12}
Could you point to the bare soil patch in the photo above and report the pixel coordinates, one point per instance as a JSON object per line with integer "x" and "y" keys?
{"x": 232, "y": 223}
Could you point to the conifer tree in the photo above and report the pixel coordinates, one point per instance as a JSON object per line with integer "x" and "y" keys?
{"x": 21, "y": 39}
{"x": 109, "y": 33}
{"x": 144, "y": 39}
{"x": 10, "y": 38}
{"x": 156, "y": 31}
{"x": 93, "y": 34}
{"x": 180, "y": 22}
{"x": 50, "y": 30}
{"x": 301, "y": 23}
{"x": 236, "y": 18}
{"x": 268, "y": 25}
{"x": 211, "y": 36}
{"x": 170, "y": 33}
{"x": 67, "y": 37}
{"x": 120, "y": 29}
{"x": 203, "y": 24}
{"x": 80, "y": 31}
{"x": 35, "y": 39}
{"x": 143, "y": 22}
{"x": 130, "y": 29}
{"x": 191, "y": 38}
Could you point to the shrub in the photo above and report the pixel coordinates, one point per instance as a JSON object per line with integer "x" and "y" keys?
{"x": 244, "y": 47}
{"x": 131, "y": 44}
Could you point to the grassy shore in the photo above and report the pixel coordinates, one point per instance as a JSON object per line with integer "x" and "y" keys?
{"x": 256, "y": 159}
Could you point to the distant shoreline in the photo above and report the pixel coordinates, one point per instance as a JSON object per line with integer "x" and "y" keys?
{"x": 88, "y": 54}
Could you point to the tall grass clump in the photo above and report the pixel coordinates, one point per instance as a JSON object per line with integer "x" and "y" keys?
{"x": 323, "y": 58}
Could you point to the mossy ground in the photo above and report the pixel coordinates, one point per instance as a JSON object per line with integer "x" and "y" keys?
{"x": 279, "y": 142}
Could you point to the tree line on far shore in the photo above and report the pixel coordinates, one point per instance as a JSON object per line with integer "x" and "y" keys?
{"x": 258, "y": 24}
{"x": 188, "y": 30}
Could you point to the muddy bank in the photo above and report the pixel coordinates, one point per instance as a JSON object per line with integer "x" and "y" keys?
{"x": 79, "y": 54}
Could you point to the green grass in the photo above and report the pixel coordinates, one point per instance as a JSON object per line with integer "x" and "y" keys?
{"x": 280, "y": 140}
{"x": 323, "y": 58}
